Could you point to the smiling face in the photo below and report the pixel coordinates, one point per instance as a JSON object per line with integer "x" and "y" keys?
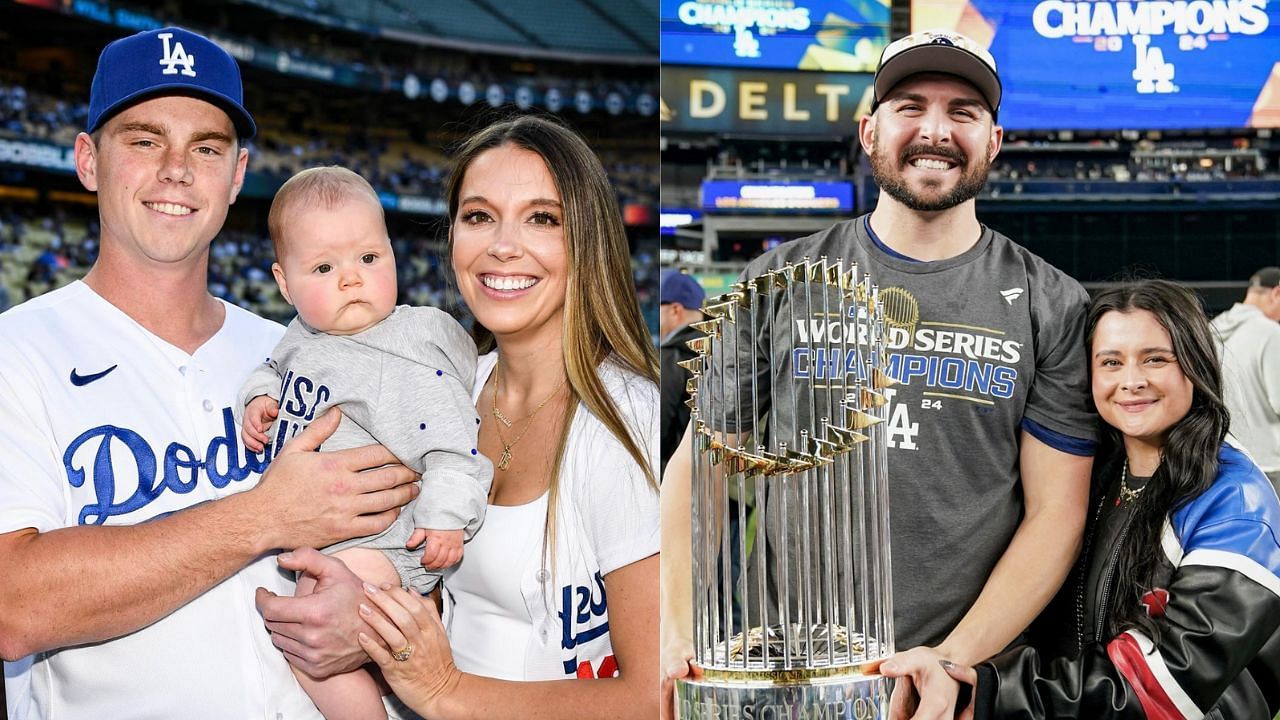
{"x": 1138, "y": 384}
{"x": 337, "y": 266}
{"x": 165, "y": 171}
{"x": 509, "y": 251}
{"x": 931, "y": 142}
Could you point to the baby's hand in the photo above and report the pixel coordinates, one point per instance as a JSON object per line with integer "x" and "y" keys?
{"x": 444, "y": 547}
{"x": 258, "y": 415}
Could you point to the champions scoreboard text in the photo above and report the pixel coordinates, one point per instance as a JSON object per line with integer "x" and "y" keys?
{"x": 824, "y": 35}
{"x": 803, "y": 67}
{"x": 778, "y": 67}
{"x": 1125, "y": 64}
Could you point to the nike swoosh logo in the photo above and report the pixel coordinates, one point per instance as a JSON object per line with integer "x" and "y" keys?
{"x": 81, "y": 380}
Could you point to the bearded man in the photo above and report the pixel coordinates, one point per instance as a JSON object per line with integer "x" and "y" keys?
{"x": 990, "y": 429}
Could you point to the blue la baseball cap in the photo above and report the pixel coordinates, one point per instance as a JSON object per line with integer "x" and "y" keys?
{"x": 168, "y": 61}
{"x": 675, "y": 286}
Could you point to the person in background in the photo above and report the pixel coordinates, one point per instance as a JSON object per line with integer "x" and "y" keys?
{"x": 680, "y": 299}
{"x": 1250, "y": 339}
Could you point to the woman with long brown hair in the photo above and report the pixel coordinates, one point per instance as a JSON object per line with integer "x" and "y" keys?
{"x": 560, "y": 584}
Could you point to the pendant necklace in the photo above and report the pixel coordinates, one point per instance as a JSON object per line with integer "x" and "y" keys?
{"x": 1126, "y": 493}
{"x": 504, "y": 460}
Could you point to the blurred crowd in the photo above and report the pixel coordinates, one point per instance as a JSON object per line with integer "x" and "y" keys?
{"x": 396, "y": 165}
{"x": 1139, "y": 168}
{"x": 32, "y": 114}
{"x": 40, "y": 251}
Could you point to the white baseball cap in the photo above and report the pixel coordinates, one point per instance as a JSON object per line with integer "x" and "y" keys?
{"x": 939, "y": 51}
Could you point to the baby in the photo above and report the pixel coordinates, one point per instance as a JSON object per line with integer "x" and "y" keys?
{"x": 402, "y": 376}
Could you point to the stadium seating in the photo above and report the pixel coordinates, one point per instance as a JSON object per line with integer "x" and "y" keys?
{"x": 576, "y": 26}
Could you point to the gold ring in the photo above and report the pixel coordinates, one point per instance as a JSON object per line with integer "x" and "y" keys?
{"x": 403, "y": 653}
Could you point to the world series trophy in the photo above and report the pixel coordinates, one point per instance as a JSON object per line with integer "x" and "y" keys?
{"x": 786, "y": 399}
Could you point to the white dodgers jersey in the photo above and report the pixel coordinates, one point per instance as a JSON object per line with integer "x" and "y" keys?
{"x": 103, "y": 423}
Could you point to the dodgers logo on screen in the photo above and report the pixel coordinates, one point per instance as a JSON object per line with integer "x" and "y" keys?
{"x": 1135, "y": 63}
{"x": 1150, "y": 64}
{"x": 127, "y": 474}
{"x": 826, "y": 35}
{"x": 741, "y": 20}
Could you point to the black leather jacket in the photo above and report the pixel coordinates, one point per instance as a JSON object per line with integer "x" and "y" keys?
{"x": 1216, "y": 608}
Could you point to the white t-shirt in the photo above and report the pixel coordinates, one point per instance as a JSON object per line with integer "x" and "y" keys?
{"x": 607, "y": 518}
{"x": 101, "y": 422}
{"x": 490, "y": 627}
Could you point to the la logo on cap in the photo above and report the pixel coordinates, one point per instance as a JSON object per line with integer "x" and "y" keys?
{"x": 175, "y": 56}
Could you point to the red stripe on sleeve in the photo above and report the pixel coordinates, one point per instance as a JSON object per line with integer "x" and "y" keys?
{"x": 1128, "y": 659}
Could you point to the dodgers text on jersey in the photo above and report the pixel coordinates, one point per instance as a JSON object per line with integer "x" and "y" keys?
{"x": 127, "y": 473}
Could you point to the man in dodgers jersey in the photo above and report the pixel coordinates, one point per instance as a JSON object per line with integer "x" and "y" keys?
{"x": 135, "y": 526}
{"x": 990, "y": 430}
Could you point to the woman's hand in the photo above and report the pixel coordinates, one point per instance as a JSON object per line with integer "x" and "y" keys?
{"x": 408, "y": 627}
{"x": 677, "y": 656}
{"x": 924, "y": 690}
{"x": 967, "y": 675}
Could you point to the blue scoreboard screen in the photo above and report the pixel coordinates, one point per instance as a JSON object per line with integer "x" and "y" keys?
{"x": 825, "y": 35}
{"x": 1125, "y": 64}
{"x": 777, "y": 197}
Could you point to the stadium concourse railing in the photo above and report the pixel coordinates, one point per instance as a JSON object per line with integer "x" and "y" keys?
{"x": 681, "y": 186}
{"x": 780, "y": 171}
{"x": 1234, "y": 189}
{"x": 1100, "y": 193}
{"x": 1217, "y": 296}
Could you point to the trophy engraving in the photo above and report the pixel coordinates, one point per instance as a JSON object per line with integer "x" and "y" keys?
{"x": 788, "y": 404}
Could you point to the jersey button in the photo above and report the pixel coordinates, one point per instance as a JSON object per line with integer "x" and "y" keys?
{"x": 208, "y": 406}
{"x": 182, "y": 369}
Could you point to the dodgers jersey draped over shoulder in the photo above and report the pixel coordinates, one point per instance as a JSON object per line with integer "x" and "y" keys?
{"x": 103, "y": 423}
{"x": 981, "y": 343}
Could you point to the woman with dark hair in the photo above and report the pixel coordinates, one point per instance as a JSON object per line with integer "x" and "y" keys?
{"x": 1173, "y": 608}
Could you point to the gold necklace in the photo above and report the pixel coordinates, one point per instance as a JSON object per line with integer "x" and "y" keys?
{"x": 1126, "y": 493}
{"x": 504, "y": 460}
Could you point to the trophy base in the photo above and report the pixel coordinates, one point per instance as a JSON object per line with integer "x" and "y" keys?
{"x": 840, "y": 697}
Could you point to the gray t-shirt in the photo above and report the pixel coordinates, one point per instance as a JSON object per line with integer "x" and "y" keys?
{"x": 981, "y": 342}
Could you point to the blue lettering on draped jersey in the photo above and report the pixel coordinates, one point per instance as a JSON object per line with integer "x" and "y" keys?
{"x": 179, "y": 469}
{"x": 576, "y": 617}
